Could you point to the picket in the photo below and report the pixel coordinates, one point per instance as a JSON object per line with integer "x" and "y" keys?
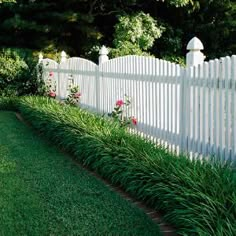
{"x": 233, "y": 110}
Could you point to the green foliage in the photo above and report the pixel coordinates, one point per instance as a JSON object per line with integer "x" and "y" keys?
{"x": 93, "y": 52}
{"x": 121, "y": 114}
{"x": 52, "y": 53}
{"x": 170, "y": 44}
{"x": 139, "y": 29}
{"x": 180, "y": 3}
{"x": 51, "y": 26}
{"x": 78, "y": 27}
{"x": 43, "y": 192}
{"x": 12, "y": 68}
{"x": 176, "y": 59}
{"x": 18, "y": 73}
{"x": 43, "y": 88}
{"x": 214, "y": 21}
{"x": 196, "y": 196}
{"x": 127, "y": 48}
{"x": 8, "y": 103}
{"x": 135, "y": 34}
{"x": 73, "y": 98}
{"x": 7, "y": 1}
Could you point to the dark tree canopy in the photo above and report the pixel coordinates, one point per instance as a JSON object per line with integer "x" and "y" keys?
{"x": 76, "y": 26}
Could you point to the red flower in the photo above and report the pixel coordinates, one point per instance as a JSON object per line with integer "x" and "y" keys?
{"x": 52, "y": 94}
{"x": 51, "y": 73}
{"x": 119, "y": 103}
{"x": 134, "y": 121}
{"x": 77, "y": 95}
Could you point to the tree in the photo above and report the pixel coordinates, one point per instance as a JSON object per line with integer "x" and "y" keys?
{"x": 45, "y": 25}
{"x": 79, "y": 26}
{"x": 5, "y": 1}
{"x": 57, "y": 24}
{"x": 179, "y": 3}
{"x": 215, "y": 24}
{"x": 212, "y": 21}
{"x": 135, "y": 34}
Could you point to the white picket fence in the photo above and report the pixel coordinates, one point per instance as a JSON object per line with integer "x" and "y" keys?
{"x": 189, "y": 109}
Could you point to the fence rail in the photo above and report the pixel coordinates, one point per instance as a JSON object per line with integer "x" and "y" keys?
{"x": 189, "y": 109}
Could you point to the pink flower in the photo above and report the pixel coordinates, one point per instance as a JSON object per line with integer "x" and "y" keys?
{"x": 134, "y": 121}
{"x": 51, "y": 73}
{"x": 119, "y": 103}
{"x": 77, "y": 95}
{"x": 52, "y": 94}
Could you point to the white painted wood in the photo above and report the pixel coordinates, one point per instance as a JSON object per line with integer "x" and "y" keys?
{"x": 227, "y": 66}
{"x": 216, "y": 106}
{"x": 172, "y": 106}
{"x": 40, "y": 57}
{"x": 63, "y": 57}
{"x": 187, "y": 112}
{"x": 182, "y": 108}
{"x": 205, "y": 106}
{"x": 160, "y": 101}
{"x": 168, "y": 113}
{"x": 198, "y": 113}
{"x": 189, "y": 109}
{"x": 221, "y": 107}
{"x": 177, "y": 107}
{"x": 194, "y": 57}
{"x": 194, "y": 112}
{"x": 233, "y": 110}
{"x": 210, "y": 109}
{"x": 103, "y": 55}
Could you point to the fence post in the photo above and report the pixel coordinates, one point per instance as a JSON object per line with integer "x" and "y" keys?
{"x": 102, "y": 58}
{"x": 194, "y": 56}
{"x": 103, "y": 55}
{"x": 63, "y": 56}
{"x": 40, "y": 57}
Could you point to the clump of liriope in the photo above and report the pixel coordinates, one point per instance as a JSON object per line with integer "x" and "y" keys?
{"x": 8, "y": 103}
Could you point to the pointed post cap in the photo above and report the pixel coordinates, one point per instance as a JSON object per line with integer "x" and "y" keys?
{"x": 195, "y": 44}
{"x": 103, "y": 55}
{"x": 194, "y": 57}
{"x": 63, "y": 53}
{"x": 63, "y": 56}
{"x": 40, "y": 56}
{"x": 103, "y": 51}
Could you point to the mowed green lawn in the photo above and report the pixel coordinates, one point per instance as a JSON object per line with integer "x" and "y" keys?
{"x": 42, "y": 192}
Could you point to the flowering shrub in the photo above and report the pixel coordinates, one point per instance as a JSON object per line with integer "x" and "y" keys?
{"x": 74, "y": 96}
{"x": 18, "y": 73}
{"x": 50, "y": 86}
{"x": 52, "y": 94}
{"x": 120, "y": 113}
{"x": 134, "y": 121}
{"x": 119, "y": 103}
